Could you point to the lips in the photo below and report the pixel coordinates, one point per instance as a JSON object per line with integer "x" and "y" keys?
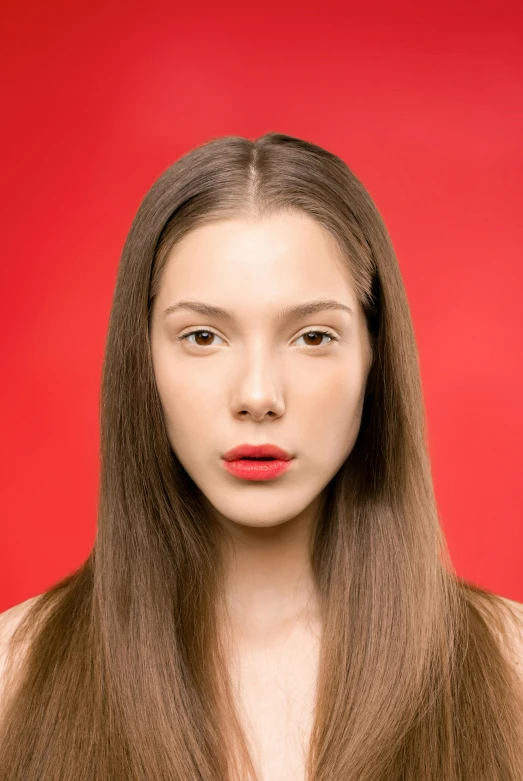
{"x": 266, "y": 451}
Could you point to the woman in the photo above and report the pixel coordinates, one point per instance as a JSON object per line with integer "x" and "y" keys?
{"x": 241, "y": 618}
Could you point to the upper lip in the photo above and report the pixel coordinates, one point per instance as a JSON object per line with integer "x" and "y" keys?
{"x": 257, "y": 451}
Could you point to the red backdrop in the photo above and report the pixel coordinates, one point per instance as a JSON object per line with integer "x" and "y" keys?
{"x": 425, "y": 105}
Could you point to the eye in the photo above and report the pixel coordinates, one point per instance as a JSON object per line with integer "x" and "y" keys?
{"x": 320, "y": 334}
{"x": 206, "y": 334}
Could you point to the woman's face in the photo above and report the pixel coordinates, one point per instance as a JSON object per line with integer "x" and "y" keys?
{"x": 251, "y": 377}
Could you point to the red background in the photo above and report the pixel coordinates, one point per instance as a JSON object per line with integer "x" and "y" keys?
{"x": 423, "y": 102}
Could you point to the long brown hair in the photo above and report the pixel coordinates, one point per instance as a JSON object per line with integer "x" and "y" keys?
{"x": 123, "y": 675}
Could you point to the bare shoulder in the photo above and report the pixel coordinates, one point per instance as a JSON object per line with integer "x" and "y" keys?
{"x": 10, "y": 618}
{"x": 514, "y": 632}
{"x": 9, "y": 621}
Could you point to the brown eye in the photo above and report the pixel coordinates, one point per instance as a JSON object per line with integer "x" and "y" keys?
{"x": 317, "y": 336}
{"x": 203, "y": 338}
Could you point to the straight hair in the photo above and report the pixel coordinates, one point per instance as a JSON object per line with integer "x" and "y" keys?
{"x": 119, "y": 672}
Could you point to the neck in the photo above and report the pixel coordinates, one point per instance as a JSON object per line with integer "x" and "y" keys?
{"x": 269, "y": 585}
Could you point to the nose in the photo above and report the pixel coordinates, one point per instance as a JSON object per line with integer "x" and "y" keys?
{"x": 258, "y": 392}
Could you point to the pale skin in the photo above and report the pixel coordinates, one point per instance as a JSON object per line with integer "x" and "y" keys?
{"x": 256, "y": 379}
{"x": 262, "y": 380}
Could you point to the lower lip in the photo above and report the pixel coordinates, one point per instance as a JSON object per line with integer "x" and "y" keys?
{"x": 257, "y": 470}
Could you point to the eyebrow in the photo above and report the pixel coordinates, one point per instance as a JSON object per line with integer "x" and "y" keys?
{"x": 287, "y": 313}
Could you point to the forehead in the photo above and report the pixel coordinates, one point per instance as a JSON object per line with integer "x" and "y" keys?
{"x": 284, "y": 252}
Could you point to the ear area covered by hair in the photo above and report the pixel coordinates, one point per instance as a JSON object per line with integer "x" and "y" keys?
{"x": 371, "y": 380}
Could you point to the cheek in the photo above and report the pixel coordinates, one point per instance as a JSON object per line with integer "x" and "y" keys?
{"x": 336, "y": 393}
{"x": 334, "y": 414}
{"x": 188, "y": 407}
{"x": 178, "y": 388}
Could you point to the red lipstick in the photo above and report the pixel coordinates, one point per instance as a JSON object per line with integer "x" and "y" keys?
{"x": 257, "y": 462}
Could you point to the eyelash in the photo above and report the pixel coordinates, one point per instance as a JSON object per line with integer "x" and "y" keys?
{"x": 332, "y": 336}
